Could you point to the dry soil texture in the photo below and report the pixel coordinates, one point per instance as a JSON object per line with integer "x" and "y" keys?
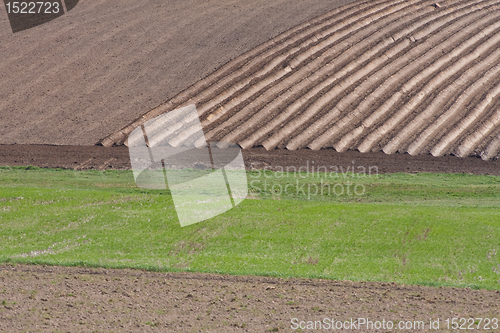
{"x": 59, "y": 299}
{"x": 406, "y": 76}
{"x": 117, "y": 157}
{"x": 386, "y": 75}
{"x": 105, "y": 63}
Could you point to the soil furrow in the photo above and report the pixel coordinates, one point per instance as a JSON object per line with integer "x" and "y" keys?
{"x": 492, "y": 150}
{"x": 348, "y": 135}
{"x": 385, "y": 72}
{"x": 233, "y": 69}
{"x": 437, "y": 105}
{"x": 288, "y": 112}
{"x": 275, "y": 58}
{"x": 259, "y": 87}
{"x": 413, "y": 80}
{"x": 345, "y": 62}
{"x": 405, "y": 110}
{"x": 452, "y": 114}
{"x": 473, "y": 139}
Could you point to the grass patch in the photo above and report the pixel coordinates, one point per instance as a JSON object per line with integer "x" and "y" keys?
{"x": 432, "y": 229}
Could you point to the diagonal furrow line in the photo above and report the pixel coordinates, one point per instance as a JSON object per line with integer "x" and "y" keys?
{"x": 288, "y": 112}
{"x": 282, "y": 92}
{"x": 445, "y": 119}
{"x": 240, "y": 65}
{"x": 314, "y": 65}
{"x": 386, "y": 71}
{"x": 479, "y": 134}
{"x": 405, "y": 110}
{"x": 387, "y": 86}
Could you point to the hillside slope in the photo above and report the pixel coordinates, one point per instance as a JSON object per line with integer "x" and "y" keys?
{"x": 398, "y": 76}
{"x": 88, "y": 73}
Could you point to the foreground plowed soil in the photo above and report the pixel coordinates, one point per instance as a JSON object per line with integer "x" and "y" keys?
{"x": 92, "y": 71}
{"x": 387, "y": 75}
{"x": 41, "y": 298}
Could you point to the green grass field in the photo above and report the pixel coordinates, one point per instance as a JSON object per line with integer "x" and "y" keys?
{"x": 432, "y": 229}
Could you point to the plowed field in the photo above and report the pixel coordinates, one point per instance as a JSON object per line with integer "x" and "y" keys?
{"x": 363, "y": 79}
{"x": 398, "y": 76}
{"x": 94, "y": 70}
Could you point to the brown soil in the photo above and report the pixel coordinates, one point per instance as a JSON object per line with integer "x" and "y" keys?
{"x": 105, "y": 63}
{"x": 369, "y": 76}
{"x": 103, "y": 158}
{"x": 61, "y": 299}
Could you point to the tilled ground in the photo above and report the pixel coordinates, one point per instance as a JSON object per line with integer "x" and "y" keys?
{"x": 69, "y": 299}
{"x": 105, "y": 63}
{"x": 103, "y": 158}
{"x": 415, "y": 76}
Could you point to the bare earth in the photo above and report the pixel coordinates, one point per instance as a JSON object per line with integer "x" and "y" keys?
{"x": 374, "y": 75}
{"x": 104, "y": 158}
{"x": 43, "y": 298}
{"x": 94, "y": 70}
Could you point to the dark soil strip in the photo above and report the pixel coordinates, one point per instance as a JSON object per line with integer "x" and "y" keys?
{"x": 103, "y": 158}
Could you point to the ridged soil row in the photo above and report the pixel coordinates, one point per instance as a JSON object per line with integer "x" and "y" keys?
{"x": 439, "y": 126}
{"x": 492, "y": 149}
{"x": 380, "y": 113}
{"x": 281, "y": 116}
{"x": 481, "y": 145}
{"x": 275, "y": 112}
{"x": 373, "y": 81}
{"x": 166, "y": 125}
{"x": 409, "y": 107}
{"x": 211, "y": 96}
{"x": 312, "y": 111}
{"x": 310, "y": 45}
{"x": 307, "y": 78}
{"x": 280, "y": 41}
{"x": 480, "y": 149}
{"x": 244, "y": 90}
{"x": 392, "y": 87}
{"x": 437, "y": 105}
{"x": 269, "y": 144}
{"x": 480, "y": 132}
{"x": 297, "y": 68}
{"x": 435, "y": 85}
